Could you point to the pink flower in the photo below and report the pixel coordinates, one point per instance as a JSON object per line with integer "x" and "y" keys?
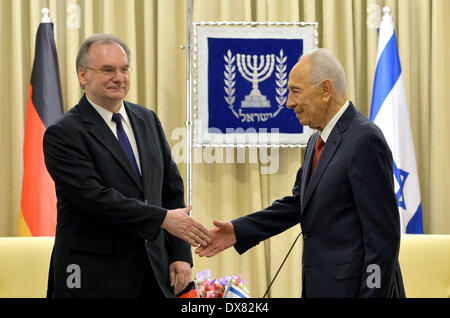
{"x": 210, "y": 294}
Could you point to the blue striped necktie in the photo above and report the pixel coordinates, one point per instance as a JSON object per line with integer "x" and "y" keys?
{"x": 125, "y": 143}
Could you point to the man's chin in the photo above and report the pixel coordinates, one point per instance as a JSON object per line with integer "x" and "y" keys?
{"x": 302, "y": 122}
{"x": 117, "y": 95}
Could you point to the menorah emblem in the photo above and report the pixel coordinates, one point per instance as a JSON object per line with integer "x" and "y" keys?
{"x": 255, "y": 73}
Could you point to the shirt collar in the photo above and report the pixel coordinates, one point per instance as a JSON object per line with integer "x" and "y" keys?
{"x": 329, "y": 127}
{"x": 107, "y": 115}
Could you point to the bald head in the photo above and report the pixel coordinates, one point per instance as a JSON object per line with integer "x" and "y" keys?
{"x": 324, "y": 65}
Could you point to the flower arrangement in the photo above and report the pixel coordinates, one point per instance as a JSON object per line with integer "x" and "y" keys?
{"x": 225, "y": 287}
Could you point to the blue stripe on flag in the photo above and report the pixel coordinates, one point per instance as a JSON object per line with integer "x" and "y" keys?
{"x": 386, "y": 75}
{"x": 415, "y": 224}
{"x": 237, "y": 292}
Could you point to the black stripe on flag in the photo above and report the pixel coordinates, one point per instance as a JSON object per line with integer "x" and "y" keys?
{"x": 46, "y": 97}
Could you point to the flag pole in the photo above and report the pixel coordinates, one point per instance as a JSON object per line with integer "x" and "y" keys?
{"x": 387, "y": 11}
{"x": 188, "y": 105}
{"x": 45, "y": 16}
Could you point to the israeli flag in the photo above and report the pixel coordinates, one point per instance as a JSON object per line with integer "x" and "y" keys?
{"x": 389, "y": 111}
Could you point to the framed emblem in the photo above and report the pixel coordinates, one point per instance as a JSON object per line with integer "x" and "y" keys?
{"x": 240, "y": 81}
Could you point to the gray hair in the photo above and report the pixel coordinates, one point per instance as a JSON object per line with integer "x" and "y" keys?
{"x": 83, "y": 52}
{"x": 324, "y": 65}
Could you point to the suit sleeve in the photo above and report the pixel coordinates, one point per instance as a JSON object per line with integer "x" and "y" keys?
{"x": 173, "y": 198}
{"x": 371, "y": 177}
{"x": 75, "y": 175}
{"x": 259, "y": 226}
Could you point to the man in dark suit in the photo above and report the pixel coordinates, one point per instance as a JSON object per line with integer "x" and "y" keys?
{"x": 343, "y": 195}
{"x": 122, "y": 229}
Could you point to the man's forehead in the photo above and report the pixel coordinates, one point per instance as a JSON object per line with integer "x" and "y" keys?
{"x": 299, "y": 71}
{"x": 105, "y": 45}
{"x": 302, "y": 65}
{"x": 106, "y": 51}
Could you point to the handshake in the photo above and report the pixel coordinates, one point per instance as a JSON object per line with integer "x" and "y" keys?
{"x": 208, "y": 242}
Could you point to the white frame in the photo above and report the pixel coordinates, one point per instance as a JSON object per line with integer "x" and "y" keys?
{"x": 308, "y": 31}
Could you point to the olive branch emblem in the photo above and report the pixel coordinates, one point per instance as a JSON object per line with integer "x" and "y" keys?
{"x": 230, "y": 75}
{"x": 281, "y": 81}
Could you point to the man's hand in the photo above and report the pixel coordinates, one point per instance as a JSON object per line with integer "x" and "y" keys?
{"x": 180, "y": 276}
{"x": 222, "y": 237}
{"x": 180, "y": 224}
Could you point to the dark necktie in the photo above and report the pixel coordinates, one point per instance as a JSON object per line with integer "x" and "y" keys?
{"x": 124, "y": 142}
{"x": 318, "y": 150}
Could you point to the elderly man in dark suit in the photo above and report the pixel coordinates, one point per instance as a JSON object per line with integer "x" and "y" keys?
{"x": 122, "y": 229}
{"x": 343, "y": 195}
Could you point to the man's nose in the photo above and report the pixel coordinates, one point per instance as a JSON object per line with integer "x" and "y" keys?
{"x": 118, "y": 76}
{"x": 290, "y": 103}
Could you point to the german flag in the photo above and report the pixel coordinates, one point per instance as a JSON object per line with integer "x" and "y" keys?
{"x": 38, "y": 204}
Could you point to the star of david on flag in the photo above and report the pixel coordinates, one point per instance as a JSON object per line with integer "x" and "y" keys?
{"x": 389, "y": 111}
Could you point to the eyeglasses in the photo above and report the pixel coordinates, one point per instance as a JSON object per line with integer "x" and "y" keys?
{"x": 110, "y": 71}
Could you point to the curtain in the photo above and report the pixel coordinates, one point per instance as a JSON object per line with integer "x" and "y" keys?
{"x": 154, "y": 30}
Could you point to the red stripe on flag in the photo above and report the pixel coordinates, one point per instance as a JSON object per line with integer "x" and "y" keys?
{"x": 38, "y": 189}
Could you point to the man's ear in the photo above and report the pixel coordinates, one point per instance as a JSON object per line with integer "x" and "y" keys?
{"x": 326, "y": 89}
{"x": 82, "y": 76}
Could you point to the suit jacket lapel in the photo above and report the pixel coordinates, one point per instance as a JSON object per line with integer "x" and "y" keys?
{"x": 102, "y": 133}
{"x": 307, "y": 164}
{"x": 332, "y": 144}
{"x": 146, "y": 146}
{"x": 327, "y": 153}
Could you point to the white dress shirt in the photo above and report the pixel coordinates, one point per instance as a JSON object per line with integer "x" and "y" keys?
{"x": 329, "y": 127}
{"x": 107, "y": 117}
